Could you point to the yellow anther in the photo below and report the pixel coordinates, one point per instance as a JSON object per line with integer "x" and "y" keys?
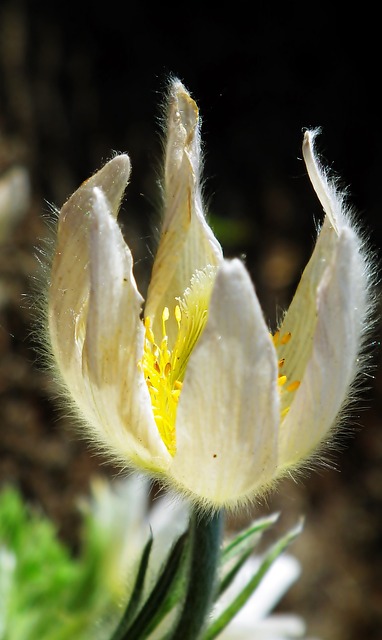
{"x": 278, "y": 341}
{"x": 293, "y": 386}
{"x": 178, "y": 314}
{"x": 165, "y": 314}
{"x": 167, "y": 369}
{"x": 178, "y": 384}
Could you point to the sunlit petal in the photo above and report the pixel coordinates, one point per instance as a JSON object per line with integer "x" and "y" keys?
{"x": 69, "y": 280}
{"x": 332, "y": 364}
{"x": 186, "y": 242}
{"x": 301, "y": 318}
{"x": 228, "y": 411}
{"x": 331, "y": 198}
{"x": 121, "y": 407}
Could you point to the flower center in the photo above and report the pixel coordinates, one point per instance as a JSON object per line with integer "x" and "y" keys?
{"x": 284, "y": 385}
{"x": 164, "y": 365}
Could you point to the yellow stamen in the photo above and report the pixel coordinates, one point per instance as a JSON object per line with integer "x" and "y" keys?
{"x": 278, "y": 341}
{"x": 286, "y": 337}
{"x": 293, "y": 386}
{"x": 164, "y": 366}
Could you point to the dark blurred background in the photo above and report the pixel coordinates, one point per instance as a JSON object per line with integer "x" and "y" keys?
{"x": 80, "y": 81}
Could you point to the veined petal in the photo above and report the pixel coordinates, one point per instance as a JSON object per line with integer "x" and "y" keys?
{"x": 187, "y": 242}
{"x": 301, "y": 318}
{"x": 332, "y": 366}
{"x": 79, "y": 310}
{"x": 69, "y": 285}
{"x": 228, "y": 413}
{"x": 115, "y": 390}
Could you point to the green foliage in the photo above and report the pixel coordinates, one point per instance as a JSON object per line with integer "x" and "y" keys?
{"x": 47, "y": 593}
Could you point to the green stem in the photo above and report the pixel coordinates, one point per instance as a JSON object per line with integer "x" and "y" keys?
{"x": 206, "y": 534}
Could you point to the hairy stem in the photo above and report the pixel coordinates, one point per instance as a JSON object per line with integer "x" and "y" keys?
{"x": 206, "y": 535}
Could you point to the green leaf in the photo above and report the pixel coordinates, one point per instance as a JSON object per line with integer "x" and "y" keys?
{"x": 230, "y": 575}
{"x": 161, "y": 599}
{"x": 248, "y": 537}
{"x": 133, "y": 603}
{"x": 242, "y": 545}
{"x": 239, "y": 601}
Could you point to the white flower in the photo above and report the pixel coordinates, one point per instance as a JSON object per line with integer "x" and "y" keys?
{"x": 124, "y": 520}
{"x": 199, "y": 394}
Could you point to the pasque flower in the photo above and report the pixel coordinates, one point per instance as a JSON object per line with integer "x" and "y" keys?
{"x": 192, "y": 387}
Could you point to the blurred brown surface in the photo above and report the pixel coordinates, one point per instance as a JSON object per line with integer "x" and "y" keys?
{"x": 73, "y": 89}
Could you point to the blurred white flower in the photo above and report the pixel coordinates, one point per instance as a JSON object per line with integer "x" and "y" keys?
{"x": 14, "y": 199}
{"x": 123, "y": 520}
{"x": 255, "y": 619}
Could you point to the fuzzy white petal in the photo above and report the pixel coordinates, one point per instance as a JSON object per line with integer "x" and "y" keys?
{"x": 331, "y": 199}
{"x": 301, "y": 318}
{"x": 69, "y": 284}
{"x": 228, "y": 411}
{"x": 341, "y": 302}
{"x": 113, "y": 345}
{"x": 91, "y": 282}
{"x": 187, "y": 242}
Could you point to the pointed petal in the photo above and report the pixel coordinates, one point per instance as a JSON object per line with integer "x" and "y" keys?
{"x": 121, "y": 411}
{"x": 69, "y": 285}
{"x": 301, "y": 318}
{"x": 332, "y": 366}
{"x": 331, "y": 199}
{"x": 228, "y": 411}
{"x": 187, "y": 242}
{"x": 75, "y": 308}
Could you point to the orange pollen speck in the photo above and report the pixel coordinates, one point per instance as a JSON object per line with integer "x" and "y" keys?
{"x": 282, "y": 380}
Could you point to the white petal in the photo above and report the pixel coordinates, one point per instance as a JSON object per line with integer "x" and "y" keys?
{"x": 274, "y": 585}
{"x": 187, "y": 242}
{"x": 69, "y": 286}
{"x": 301, "y": 318}
{"x": 341, "y": 305}
{"x": 228, "y": 411}
{"x": 331, "y": 199}
{"x": 87, "y": 294}
{"x": 117, "y": 393}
